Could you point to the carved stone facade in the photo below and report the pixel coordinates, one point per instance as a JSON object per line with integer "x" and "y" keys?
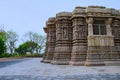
{"x": 87, "y": 36}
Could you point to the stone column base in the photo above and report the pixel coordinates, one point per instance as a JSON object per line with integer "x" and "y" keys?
{"x": 46, "y": 61}
{"x": 42, "y": 60}
{"x": 94, "y": 63}
{"x": 48, "y": 58}
{"x": 112, "y": 63}
{"x": 60, "y": 62}
{"x": 77, "y": 63}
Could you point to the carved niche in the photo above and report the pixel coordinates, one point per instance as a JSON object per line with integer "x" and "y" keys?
{"x": 81, "y": 31}
{"x": 116, "y": 28}
{"x": 64, "y": 32}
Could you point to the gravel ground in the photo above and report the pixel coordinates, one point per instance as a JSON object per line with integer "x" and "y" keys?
{"x": 33, "y": 69}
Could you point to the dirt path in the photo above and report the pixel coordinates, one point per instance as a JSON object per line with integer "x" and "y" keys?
{"x": 7, "y": 59}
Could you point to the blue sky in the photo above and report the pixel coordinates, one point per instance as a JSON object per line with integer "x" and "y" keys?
{"x": 22, "y": 16}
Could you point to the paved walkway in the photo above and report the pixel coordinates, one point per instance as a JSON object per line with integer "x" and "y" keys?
{"x": 32, "y": 69}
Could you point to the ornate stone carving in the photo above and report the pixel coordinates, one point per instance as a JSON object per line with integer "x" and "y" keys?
{"x": 70, "y": 38}
{"x": 89, "y": 20}
{"x": 65, "y": 34}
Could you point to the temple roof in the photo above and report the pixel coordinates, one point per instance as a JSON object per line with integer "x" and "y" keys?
{"x": 96, "y": 9}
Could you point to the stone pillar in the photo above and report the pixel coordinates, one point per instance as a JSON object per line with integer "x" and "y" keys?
{"x": 63, "y": 38}
{"x": 113, "y": 54}
{"x": 46, "y": 48}
{"x": 80, "y": 33}
{"x": 90, "y": 26}
{"x": 51, "y": 38}
{"x": 108, "y": 26}
{"x": 79, "y": 48}
{"x": 116, "y": 34}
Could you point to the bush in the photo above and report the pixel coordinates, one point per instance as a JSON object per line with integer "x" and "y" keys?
{"x": 7, "y": 55}
{"x": 16, "y": 55}
{"x": 2, "y": 46}
{"x": 34, "y": 55}
{"x": 3, "y": 55}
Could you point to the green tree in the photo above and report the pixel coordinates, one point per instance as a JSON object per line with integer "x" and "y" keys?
{"x": 28, "y": 46}
{"x": 2, "y": 41}
{"x": 3, "y": 34}
{"x": 2, "y": 46}
{"x": 37, "y": 38}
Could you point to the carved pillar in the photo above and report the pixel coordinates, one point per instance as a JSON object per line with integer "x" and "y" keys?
{"x": 90, "y": 26}
{"x": 51, "y": 38}
{"x": 116, "y": 33}
{"x": 111, "y": 44}
{"x": 79, "y": 48}
{"x": 46, "y": 48}
{"x": 63, "y": 38}
{"x": 108, "y": 26}
{"x": 115, "y": 26}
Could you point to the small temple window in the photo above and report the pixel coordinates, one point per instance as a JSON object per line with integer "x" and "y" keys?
{"x": 99, "y": 27}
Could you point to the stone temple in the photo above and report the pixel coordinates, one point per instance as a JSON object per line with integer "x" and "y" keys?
{"x": 87, "y": 36}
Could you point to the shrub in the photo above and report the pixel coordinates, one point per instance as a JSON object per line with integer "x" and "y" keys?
{"x": 34, "y": 55}
{"x": 3, "y": 55}
{"x": 2, "y": 46}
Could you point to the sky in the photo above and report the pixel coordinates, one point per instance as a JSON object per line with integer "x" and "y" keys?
{"x": 23, "y": 16}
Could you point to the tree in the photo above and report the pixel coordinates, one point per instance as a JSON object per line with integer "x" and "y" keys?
{"x": 3, "y": 34}
{"x": 29, "y": 36}
{"x": 22, "y": 49}
{"x": 2, "y": 45}
{"x": 28, "y": 46}
{"x": 12, "y": 37}
{"x": 39, "y": 39}
{"x": 2, "y": 40}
